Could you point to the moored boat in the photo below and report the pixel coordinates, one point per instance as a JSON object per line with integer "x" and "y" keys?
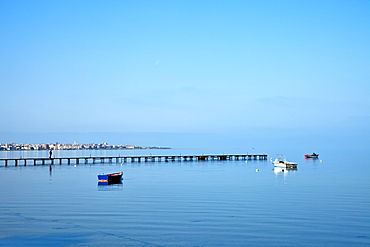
{"x": 313, "y": 155}
{"x": 282, "y": 162}
{"x": 110, "y": 178}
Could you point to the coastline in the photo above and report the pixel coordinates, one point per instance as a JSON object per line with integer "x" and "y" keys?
{"x": 65, "y": 146}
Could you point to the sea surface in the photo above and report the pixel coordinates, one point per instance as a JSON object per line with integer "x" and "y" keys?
{"x": 325, "y": 202}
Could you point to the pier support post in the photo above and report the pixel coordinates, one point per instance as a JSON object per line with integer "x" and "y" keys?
{"x": 201, "y": 158}
{"x": 222, "y": 157}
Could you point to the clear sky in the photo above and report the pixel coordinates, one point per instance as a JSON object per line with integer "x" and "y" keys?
{"x": 184, "y": 66}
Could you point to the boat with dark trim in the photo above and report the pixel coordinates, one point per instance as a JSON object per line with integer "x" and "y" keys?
{"x": 110, "y": 178}
{"x": 282, "y": 162}
{"x": 313, "y": 155}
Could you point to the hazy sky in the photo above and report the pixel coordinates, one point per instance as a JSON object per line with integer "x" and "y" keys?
{"x": 184, "y": 66}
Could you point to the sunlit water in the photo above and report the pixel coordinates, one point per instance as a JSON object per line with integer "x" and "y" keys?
{"x": 325, "y": 202}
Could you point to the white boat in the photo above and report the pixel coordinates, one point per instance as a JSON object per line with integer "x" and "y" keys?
{"x": 282, "y": 162}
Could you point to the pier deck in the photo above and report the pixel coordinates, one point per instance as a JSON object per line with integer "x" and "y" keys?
{"x": 117, "y": 159}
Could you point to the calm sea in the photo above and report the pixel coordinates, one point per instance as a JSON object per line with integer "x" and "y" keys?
{"x": 325, "y": 202}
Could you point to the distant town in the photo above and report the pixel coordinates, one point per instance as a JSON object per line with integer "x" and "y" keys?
{"x": 74, "y": 146}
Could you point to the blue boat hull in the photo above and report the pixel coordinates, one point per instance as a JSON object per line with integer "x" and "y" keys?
{"x": 113, "y": 178}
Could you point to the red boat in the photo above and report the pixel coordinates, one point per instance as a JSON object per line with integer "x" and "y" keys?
{"x": 313, "y": 155}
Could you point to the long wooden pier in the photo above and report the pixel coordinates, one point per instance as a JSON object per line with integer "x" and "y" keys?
{"x": 124, "y": 159}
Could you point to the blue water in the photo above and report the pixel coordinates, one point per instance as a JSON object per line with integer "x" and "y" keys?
{"x": 324, "y": 202}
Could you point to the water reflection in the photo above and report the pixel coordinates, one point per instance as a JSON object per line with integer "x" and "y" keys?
{"x": 314, "y": 161}
{"x": 111, "y": 186}
{"x": 283, "y": 170}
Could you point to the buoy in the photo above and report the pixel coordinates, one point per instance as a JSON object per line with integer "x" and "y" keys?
{"x": 257, "y": 170}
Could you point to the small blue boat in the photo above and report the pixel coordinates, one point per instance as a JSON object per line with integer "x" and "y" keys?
{"x": 111, "y": 178}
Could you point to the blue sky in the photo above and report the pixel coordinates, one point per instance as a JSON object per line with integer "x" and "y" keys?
{"x": 184, "y": 66}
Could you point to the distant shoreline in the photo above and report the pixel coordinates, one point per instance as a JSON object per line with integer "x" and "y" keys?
{"x": 75, "y": 146}
{"x": 142, "y": 148}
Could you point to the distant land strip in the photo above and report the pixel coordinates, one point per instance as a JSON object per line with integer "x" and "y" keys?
{"x": 74, "y": 146}
{"x": 202, "y": 148}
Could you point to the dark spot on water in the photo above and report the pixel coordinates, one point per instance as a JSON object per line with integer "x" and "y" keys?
{"x": 361, "y": 236}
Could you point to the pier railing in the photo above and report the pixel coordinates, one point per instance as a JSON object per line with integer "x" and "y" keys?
{"x": 124, "y": 159}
